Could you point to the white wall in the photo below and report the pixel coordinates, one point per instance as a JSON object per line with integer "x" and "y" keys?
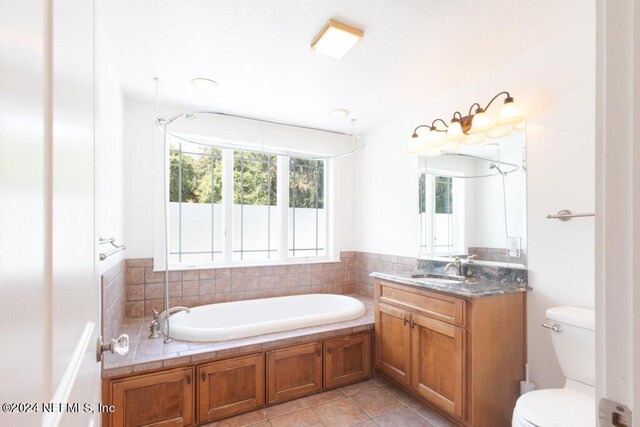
{"x": 555, "y": 86}
{"x": 109, "y": 152}
{"x": 142, "y": 137}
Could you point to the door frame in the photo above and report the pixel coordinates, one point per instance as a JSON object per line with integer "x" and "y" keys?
{"x": 618, "y": 202}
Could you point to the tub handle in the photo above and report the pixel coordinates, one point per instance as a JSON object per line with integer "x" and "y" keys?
{"x": 203, "y": 376}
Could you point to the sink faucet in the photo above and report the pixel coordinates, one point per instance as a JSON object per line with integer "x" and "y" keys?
{"x": 456, "y": 265}
{"x": 160, "y": 318}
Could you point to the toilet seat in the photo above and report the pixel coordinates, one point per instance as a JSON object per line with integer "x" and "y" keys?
{"x": 555, "y": 408}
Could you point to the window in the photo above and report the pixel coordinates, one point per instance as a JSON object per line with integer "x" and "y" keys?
{"x": 307, "y": 219}
{"x": 225, "y": 207}
{"x": 254, "y": 206}
{"x": 195, "y": 209}
{"x": 441, "y": 214}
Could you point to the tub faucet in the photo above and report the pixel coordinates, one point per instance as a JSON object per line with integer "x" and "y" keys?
{"x": 159, "y": 318}
{"x": 457, "y": 267}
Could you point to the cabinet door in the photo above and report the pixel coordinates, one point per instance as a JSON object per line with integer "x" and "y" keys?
{"x": 347, "y": 360}
{"x": 393, "y": 342}
{"x": 438, "y": 370}
{"x": 162, "y": 399}
{"x": 293, "y": 372}
{"x": 230, "y": 387}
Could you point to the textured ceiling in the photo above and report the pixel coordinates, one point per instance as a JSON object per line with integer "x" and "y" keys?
{"x": 412, "y": 52}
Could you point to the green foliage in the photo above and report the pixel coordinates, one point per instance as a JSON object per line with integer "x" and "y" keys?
{"x": 196, "y": 176}
{"x": 306, "y": 183}
{"x": 254, "y": 178}
{"x": 444, "y": 196}
{"x": 422, "y": 193}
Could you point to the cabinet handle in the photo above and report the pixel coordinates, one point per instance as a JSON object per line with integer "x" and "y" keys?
{"x": 203, "y": 376}
{"x": 318, "y": 352}
{"x": 413, "y": 324}
{"x": 329, "y": 350}
{"x": 404, "y": 322}
{"x": 188, "y": 379}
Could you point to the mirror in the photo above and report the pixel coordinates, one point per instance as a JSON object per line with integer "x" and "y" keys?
{"x": 472, "y": 202}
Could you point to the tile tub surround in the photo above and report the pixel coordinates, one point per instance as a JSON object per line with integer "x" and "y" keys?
{"x": 148, "y": 354}
{"x": 190, "y": 288}
{"x": 113, "y": 287}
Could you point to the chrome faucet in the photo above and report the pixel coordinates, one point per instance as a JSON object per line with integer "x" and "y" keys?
{"x": 160, "y": 318}
{"x": 456, "y": 265}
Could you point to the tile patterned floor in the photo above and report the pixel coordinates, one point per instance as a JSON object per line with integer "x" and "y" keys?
{"x": 367, "y": 404}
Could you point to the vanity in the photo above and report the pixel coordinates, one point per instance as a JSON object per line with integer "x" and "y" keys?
{"x": 463, "y": 353}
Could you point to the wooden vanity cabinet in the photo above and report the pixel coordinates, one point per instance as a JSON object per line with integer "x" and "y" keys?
{"x": 294, "y": 372}
{"x": 159, "y": 399}
{"x": 230, "y": 386}
{"x": 347, "y": 360}
{"x": 393, "y": 342}
{"x": 465, "y": 357}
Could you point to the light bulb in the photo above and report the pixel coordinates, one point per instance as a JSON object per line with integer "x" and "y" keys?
{"x": 454, "y": 132}
{"x": 415, "y": 144}
{"x": 509, "y": 114}
{"x": 481, "y": 122}
{"x": 498, "y": 132}
{"x": 450, "y": 147}
{"x": 431, "y": 152}
{"x": 472, "y": 139}
{"x": 433, "y": 138}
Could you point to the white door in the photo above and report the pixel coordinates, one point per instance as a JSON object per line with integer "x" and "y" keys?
{"x": 618, "y": 212}
{"x": 50, "y": 291}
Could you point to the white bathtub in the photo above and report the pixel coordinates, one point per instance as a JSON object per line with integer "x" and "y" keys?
{"x": 239, "y": 319}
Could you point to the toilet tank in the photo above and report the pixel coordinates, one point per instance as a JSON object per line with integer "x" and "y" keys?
{"x": 575, "y": 346}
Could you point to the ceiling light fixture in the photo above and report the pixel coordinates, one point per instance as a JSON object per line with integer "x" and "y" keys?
{"x": 472, "y": 128}
{"x": 336, "y": 39}
{"x": 203, "y": 84}
{"x": 339, "y": 113}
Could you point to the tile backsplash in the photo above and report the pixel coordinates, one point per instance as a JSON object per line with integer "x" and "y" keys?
{"x": 144, "y": 287}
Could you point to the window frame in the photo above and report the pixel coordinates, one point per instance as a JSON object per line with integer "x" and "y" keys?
{"x": 427, "y": 223}
{"x": 282, "y": 217}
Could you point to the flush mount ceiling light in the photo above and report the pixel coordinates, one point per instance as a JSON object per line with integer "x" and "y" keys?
{"x": 339, "y": 113}
{"x": 472, "y": 128}
{"x": 336, "y": 39}
{"x": 203, "y": 84}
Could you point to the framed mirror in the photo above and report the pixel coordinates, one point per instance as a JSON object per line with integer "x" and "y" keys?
{"x": 472, "y": 202}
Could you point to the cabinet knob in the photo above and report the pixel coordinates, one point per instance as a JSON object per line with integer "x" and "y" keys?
{"x": 404, "y": 322}
{"x": 329, "y": 350}
{"x": 188, "y": 379}
{"x": 203, "y": 376}
{"x": 413, "y": 324}
{"x": 318, "y": 352}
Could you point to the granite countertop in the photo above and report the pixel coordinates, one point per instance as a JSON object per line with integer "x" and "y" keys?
{"x": 468, "y": 289}
{"x": 151, "y": 353}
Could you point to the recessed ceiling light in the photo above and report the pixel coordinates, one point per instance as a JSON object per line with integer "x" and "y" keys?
{"x": 335, "y": 39}
{"x": 339, "y": 113}
{"x": 204, "y": 84}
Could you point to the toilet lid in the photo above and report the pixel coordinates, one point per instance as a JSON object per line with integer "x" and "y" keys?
{"x": 557, "y": 408}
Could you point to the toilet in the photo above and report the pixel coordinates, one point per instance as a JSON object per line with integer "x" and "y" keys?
{"x": 574, "y": 404}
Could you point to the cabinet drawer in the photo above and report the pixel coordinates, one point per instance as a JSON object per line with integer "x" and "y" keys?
{"x": 439, "y": 306}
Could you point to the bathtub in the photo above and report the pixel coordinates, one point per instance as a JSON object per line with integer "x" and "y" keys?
{"x": 240, "y": 319}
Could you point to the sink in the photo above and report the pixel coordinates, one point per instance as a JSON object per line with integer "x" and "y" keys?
{"x": 437, "y": 278}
